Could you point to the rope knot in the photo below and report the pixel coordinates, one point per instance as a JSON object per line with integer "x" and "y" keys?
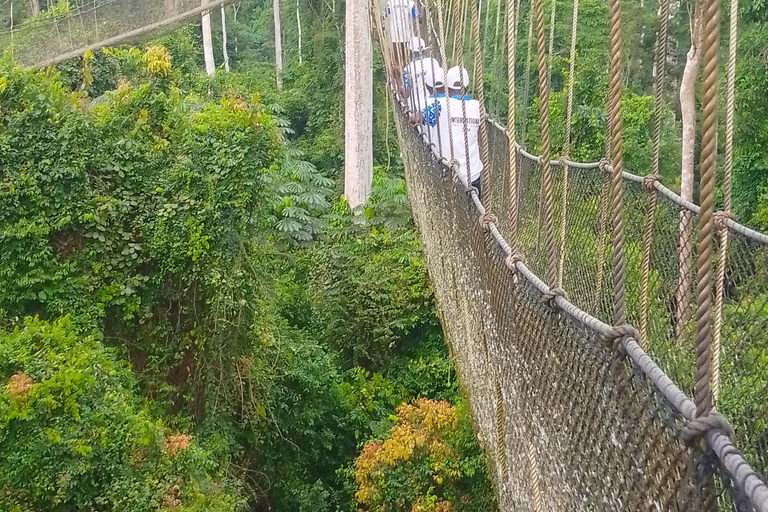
{"x": 605, "y": 166}
{"x": 562, "y": 162}
{"x": 720, "y": 217}
{"x": 619, "y": 333}
{"x": 486, "y": 218}
{"x": 550, "y": 295}
{"x": 649, "y": 181}
{"x": 693, "y": 431}
{"x": 512, "y": 259}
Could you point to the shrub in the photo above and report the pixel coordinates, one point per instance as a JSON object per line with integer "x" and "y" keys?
{"x": 75, "y": 435}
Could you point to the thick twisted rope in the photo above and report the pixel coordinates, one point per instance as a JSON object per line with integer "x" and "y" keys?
{"x": 649, "y": 183}
{"x": 727, "y": 171}
{"x": 444, "y": 61}
{"x": 485, "y": 177}
{"x": 650, "y": 180}
{"x": 711, "y": 23}
{"x": 533, "y": 472}
{"x": 567, "y": 146}
{"x": 512, "y": 14}
{"x": 617, "y": 193}
{"x": 551, "y": 36}
{"x": 527, "y": 91}
{"x": 546, "y": 173}
{"x": 708, "y": 161}
{"x": 458, "y": 22}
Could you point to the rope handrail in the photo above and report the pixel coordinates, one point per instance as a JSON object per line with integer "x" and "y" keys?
{"x": 734, "y": 225}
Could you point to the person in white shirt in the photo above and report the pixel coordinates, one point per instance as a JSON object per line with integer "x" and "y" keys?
{"x": 414, "y": 86}
{"x": 398, "y": 16}
{"x": 465, "y": 149}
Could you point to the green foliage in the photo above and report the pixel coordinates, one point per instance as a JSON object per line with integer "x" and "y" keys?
{"x": 75, "y": 435}
{"x": 427, "y": 463}
{"x": 369, "y": 281}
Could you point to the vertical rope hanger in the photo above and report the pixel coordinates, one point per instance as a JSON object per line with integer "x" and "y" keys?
{"x": 707, "y": 163}
{"x": 720, "y": 223}
{"x": 459, "y": 28}
{"x": 660, "y": 57}
{"x": 485, "y": 176}
{"x": 444, "y": 64}
{"x": 617, "y": 193}
{"x": 527, "y": 91}
{"x": 711, "y": 40}
{"x": 544, "y": 159}
{"x": 512, "y": 18}
{"x": 567, "y": 144}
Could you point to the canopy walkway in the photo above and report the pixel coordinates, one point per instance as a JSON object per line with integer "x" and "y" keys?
{"x": 540, "y": 283}
{"x": 539, "y": 286}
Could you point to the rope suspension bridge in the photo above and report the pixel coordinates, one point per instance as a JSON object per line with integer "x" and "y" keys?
{"x": 583, "y": 303}
{"x": 540, "y": 283}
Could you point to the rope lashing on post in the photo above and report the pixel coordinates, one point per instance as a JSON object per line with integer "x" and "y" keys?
{"x": 551, "y": 294}
{"x": 617, "y": 334}
{"x": 694, "y": 431}
{"x": 512, "y": 260}
{"x": 486, "y": 218}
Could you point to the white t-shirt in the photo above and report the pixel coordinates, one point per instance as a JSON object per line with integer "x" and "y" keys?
{"x": 435, "y": 119}
{"x": 413, "y": 81}
{"x": 398, "y": 20}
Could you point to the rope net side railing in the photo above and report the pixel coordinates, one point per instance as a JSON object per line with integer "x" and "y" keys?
{"x": 607, "y": 427}
{"x": 584, "y": 424}
{"x": 64, "y": 29}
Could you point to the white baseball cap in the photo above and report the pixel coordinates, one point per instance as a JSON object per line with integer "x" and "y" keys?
{"x": 434, "y": 78}
{"x": 417, "y": 44}
{"x": 457, "y": 77}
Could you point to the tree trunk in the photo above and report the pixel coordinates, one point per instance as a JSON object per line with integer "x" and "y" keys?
{"x": 234, "y": 18}
{"x": 278, "y": 44}
{"x": 35, "y": 6}
{"x": 358, "y": 104}
{"x": 169, "y": 6}
{"x": 224, "y": 38}
{"x": 688, "y": 113}
{"x": 210, "y": 64}
{"x": 298, "y": 26}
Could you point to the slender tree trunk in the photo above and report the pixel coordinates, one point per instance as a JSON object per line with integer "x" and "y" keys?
{"x": 210, "y": 64}
{"x": 278, "y": 44}
{"x": 358, "y": 104}
{"x": 298, "y": 26}
{"x": 688, "y": 113}
{"x": 235, "y": 8}
{"x": 35, "y": 6}
{"x": 170, "y": 7}
{"x": 224, "y": 38}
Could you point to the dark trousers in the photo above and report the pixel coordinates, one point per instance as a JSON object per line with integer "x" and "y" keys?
{"x": 476, "y": 184}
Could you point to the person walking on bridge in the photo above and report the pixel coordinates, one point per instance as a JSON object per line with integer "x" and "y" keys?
{"x": 414, "y": 86}
{"x": 399, "y": 16}
{"x": 463, "y": 125}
